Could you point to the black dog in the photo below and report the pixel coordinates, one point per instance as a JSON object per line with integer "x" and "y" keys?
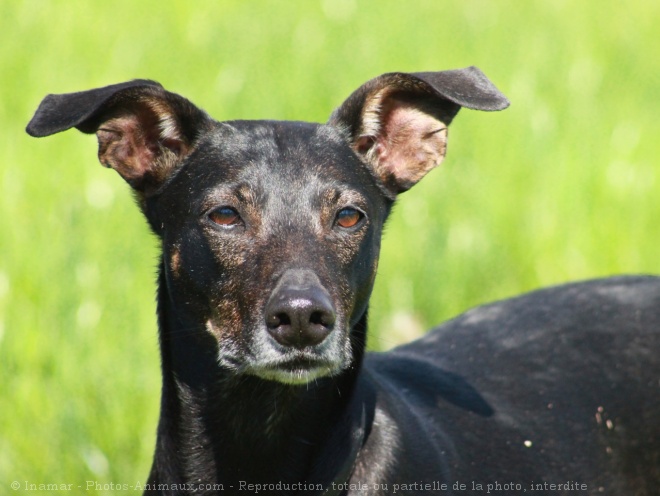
{"x": 270, "y": 237}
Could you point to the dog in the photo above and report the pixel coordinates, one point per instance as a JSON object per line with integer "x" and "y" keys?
{"x": 270, "y": 234}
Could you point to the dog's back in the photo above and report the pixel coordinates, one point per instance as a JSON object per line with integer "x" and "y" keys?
{"x": 560, "y": 386}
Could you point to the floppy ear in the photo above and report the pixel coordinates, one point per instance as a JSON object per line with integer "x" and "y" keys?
{"x": 143, "y": 130}
{"x": 398, "y": 122}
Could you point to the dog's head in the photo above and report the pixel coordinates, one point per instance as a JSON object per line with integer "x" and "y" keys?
{"x": 271, "y": 230}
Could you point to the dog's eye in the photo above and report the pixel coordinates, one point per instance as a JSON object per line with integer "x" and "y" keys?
{"x": 225, "y": 216}
{"x": 348, "y": 217}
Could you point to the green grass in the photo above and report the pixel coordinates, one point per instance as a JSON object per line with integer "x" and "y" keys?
{"x": 564, "y": 185}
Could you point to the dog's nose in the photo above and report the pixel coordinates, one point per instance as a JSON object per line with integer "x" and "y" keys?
{"x": 299, "y": 312}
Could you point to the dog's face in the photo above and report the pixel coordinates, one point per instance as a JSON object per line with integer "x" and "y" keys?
{"x": 253, "y": 204}
{"x": 270, "y": 230}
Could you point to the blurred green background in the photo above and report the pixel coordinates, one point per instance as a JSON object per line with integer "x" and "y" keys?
{"x": 561, "y": 186}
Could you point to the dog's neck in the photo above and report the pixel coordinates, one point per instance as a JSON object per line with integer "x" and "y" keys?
{"x": 232, "y": 428}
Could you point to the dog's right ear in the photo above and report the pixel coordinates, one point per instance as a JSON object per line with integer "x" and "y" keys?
{"x": 143, "y": 131}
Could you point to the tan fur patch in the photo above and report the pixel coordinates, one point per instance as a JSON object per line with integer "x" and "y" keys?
{"x": 167, "y": 124}
{"x": 175, "y": 263}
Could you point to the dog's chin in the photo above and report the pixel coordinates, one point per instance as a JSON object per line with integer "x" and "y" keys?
{"x": 293, "y": 377}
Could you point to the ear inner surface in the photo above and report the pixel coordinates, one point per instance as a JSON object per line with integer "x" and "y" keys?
{"x": 404, "y": 137}
{"x": 142, "y": 144}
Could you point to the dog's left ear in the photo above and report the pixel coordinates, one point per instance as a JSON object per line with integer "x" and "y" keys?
{"x": 398, "y": 122}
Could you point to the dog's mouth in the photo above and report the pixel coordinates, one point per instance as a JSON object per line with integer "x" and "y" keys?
{"x": 301, "y": 368}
